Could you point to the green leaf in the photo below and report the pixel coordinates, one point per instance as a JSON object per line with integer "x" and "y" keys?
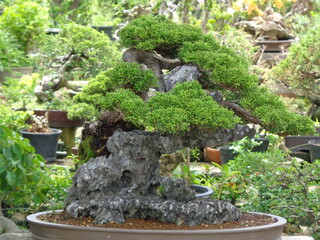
{"x": 17, "y": 150}
{"x": 10, "y": 178}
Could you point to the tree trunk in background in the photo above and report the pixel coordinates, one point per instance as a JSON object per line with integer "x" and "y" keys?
{"x": 185, "y": 11}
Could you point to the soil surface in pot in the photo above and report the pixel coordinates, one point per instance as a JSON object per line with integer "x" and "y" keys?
{"x": 44, "y": 130}
{"x": 247, "y": 220}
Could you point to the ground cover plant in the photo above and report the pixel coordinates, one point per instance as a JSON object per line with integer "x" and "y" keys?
{"x": 277, "y": 184}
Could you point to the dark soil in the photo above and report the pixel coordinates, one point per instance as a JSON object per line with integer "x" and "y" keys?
{"x": 247, "y": 220}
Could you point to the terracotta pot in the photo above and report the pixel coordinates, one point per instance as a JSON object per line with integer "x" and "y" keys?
{"x": 212, "y": 155}
{"x": 48, "y": 231}
{"x": 58, "y": 119}
{"x": 75, "y": 151}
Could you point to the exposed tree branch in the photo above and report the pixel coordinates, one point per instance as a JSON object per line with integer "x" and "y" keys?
{"x": 167, "y": 60}
{"x": 242, "y": 112}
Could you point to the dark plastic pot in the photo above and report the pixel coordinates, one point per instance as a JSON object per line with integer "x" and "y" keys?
{"x": 314, "y": 149}
{"x": 51, "y": 231}
{"x": 299, "y": 143}
{"x": 105, "y": 29}
{"x": 263, "y": 146}
{"x": 227, "y": 154}
{"x": 45, "y": 144}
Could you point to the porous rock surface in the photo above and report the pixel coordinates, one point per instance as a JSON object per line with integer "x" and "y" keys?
{"x": 184, "y": 73}
{"x": 128, "y": 182}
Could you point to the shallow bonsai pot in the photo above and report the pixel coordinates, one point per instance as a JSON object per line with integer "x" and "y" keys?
{"x": 16, "y": 72}
{"x": 275, "y": 45}
{"x": 45, "y": 144}
{"x": 314, "y": 146}
{"x": 299, "y": 143}
{"x": 48, "y": 231}
{"x": 58, "y": 119}
{"x": 202, "y": 191}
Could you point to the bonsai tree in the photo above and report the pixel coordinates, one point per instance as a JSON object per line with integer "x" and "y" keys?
{"x": 80, "y": 52}
{"x": 300, "y": 69}
{"x": 204, "y": 93}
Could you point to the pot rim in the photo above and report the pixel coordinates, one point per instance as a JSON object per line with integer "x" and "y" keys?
{"x": 34, "y": 220}
{"x": 55, "y": 132}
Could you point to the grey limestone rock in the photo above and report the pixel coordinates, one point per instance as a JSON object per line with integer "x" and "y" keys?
{"x": 184, "y": 73}
{"x": 128, "y": 183}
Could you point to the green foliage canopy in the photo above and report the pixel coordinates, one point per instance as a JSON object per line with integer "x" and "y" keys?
{"x": 188, "y": 104}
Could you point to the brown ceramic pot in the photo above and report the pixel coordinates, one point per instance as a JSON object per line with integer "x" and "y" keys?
{"x": 51, "y": 231}
{"x": 275, "y": 45}
{"x": 58, "y": 119}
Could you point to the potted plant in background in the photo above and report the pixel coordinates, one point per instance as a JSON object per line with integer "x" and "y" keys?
{"x": 244, "y": 145}
{"x": 223, "y": 154}
{"x": 123, "y": 179}
{"x": 42, "y": 138}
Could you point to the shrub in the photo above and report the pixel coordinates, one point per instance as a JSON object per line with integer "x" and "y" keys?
{"x": 280, "y": 186}
{"x": 25, "y": 181}
{"x": 21, "y": 176}
{"x": 10, "y": 56}
{"x": 26, "y": 21}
